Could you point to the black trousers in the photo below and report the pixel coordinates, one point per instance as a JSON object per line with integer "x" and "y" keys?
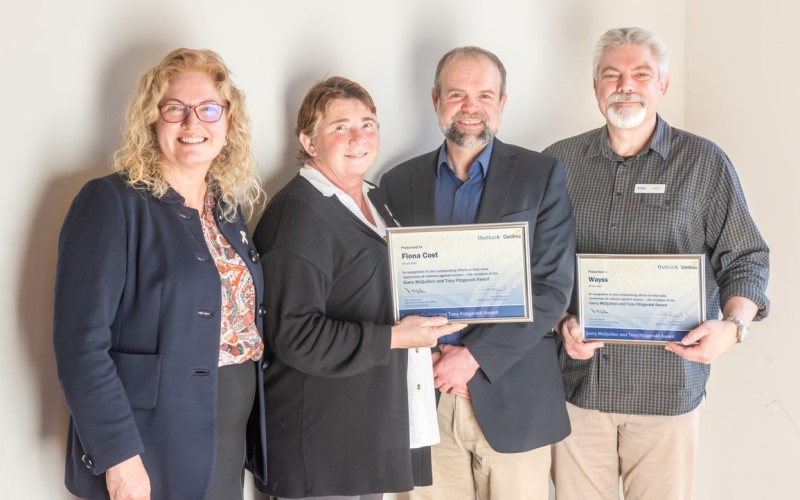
{"x": 236, "y": 388}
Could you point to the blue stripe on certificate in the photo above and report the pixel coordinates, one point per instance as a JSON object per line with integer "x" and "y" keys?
{"x": 613, "y": 334}
{"x": 463, "y": 313}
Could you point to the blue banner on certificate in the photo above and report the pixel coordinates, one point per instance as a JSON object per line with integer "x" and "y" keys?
{"x": 471, "y": 273}
{"x": 640, "y": 298}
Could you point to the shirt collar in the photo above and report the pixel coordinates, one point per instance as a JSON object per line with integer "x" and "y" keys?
{"x": 323, "y": 184}
{"x": 328, "y": 189}
{"x": 209, "y": 205}
{"x": 659, "y": 142}
{"x": 483, "y": 159}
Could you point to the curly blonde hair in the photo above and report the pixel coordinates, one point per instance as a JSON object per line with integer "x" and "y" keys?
{"x": 231, "y": 177}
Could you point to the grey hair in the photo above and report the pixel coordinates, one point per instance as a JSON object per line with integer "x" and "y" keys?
{"x": 469, "y": 51}
{"x": 631, "y": 36}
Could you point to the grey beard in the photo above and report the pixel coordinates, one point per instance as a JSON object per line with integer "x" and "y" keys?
{"x": 468, "y": 141}
{"x": 626, "y": 118}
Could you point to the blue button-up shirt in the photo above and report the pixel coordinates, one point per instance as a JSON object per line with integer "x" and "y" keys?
{"x": 456, "y": 201}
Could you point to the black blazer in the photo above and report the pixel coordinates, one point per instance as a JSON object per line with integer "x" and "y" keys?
{"x": 137, "y": 331}
{"x": 336, "y": 393}
{"x": 517, "y": 393}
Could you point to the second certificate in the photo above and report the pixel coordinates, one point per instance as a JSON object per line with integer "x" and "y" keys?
{"x": 475, "y": 273}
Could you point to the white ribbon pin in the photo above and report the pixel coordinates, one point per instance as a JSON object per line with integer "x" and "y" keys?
{"x": 244, "y": 237}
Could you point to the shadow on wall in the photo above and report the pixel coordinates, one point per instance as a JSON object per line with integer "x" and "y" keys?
{"x": 35, "y": 296}
{"x": 294, "y": 93}
{"x": 37, "y": 271}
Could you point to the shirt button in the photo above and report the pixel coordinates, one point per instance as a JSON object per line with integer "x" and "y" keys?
{"x": 262, "y": 311}
{"x": 619, "y": 194}
{"x": 613, "y": 225}
{"x": 87, "y": 461}
{"x": 419, "y": 386}
{"x": 605, "y": 357}
{"x": 254, "y": 256}
{"x": 205, "y": 313}
{"x": 416, "y": 349}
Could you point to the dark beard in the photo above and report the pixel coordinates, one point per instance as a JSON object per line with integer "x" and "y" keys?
{"x": 460, "y": 138}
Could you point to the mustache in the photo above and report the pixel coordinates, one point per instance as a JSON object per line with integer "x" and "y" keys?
{"x": 467, "y": 116}
{"x": 615, "y": 98}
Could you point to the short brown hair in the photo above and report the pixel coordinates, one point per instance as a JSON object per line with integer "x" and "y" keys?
{"x": 316, "y": 102}
{"x": 468, "y": 51}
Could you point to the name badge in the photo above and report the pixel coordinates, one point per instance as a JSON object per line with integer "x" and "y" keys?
{"x": 650, "y": 188}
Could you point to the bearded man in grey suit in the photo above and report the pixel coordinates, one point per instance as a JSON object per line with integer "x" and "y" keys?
{"x": 501, "y": 398}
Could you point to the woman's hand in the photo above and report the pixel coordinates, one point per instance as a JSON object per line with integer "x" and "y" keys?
{"x": 422, "y": 331}
{"x": 128, "y": 480}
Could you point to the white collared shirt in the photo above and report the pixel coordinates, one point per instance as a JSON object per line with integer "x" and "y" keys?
{"x": 327, "y": 188}
{"x": 423, "y": 423}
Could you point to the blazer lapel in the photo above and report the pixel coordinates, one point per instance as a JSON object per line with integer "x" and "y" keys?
{"x": 382, "y": 207}
{"x": 423, "y": 190}
{"x": 502, "y": 166}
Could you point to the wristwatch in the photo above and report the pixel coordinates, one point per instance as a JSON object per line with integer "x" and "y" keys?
{"x": 741, "y": 328}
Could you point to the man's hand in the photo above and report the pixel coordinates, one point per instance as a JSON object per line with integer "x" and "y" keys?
{"x": 707, "y": 342}
{"x": 570, "y": 331}
{"x": 453, "y": 369}
{"x": 714, "y": 337}
{"x": 128, "y": 480}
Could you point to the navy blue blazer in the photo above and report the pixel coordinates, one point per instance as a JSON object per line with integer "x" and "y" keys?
{"x": 136, "y": 334}
{"x": 517, "y": 394}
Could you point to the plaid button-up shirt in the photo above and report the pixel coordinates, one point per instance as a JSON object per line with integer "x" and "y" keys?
{"x": 701, "y": 211}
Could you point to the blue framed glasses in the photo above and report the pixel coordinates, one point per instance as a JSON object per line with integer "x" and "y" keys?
{"x": 176, "y": 112}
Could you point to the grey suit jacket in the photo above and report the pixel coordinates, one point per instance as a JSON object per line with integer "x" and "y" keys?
{"x": 517, "y": 393}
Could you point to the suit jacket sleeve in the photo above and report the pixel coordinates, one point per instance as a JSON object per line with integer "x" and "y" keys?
{"x": 301, "y": 333}
{"x": 496, "y": 347}
{"x": 299, "y": 258}
{"x": 89, "y": 282}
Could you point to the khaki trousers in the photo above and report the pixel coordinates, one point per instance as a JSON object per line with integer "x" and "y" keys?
{"x": 654, "y": 456}
{"x": 464, "y": 462}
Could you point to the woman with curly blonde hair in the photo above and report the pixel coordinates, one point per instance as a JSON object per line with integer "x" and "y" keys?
{"x": 232, "y": 173}
{"x": 158, "y": 298}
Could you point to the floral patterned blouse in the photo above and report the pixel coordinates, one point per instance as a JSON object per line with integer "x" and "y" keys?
{"x": 239, "y": 338}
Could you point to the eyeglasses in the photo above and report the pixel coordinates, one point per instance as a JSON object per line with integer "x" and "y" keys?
{"x": 176, "y": 113}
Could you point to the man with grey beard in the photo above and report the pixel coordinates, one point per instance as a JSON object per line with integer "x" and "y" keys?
{"x": 640, "y": 186}
{"x": 501, "y": 400}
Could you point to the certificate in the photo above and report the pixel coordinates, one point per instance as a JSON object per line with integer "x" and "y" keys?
{"x": 640, "y": 298}
{"x": 471, "y": 273}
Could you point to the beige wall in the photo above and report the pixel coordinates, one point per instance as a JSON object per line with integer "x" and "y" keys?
{"x": 70, "y": 67}
{"x": 742, "y": 74}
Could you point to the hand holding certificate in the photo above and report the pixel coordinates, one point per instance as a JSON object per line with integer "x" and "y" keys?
{"x": 640, "y": 298}
{"x": 474, "y": 273}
